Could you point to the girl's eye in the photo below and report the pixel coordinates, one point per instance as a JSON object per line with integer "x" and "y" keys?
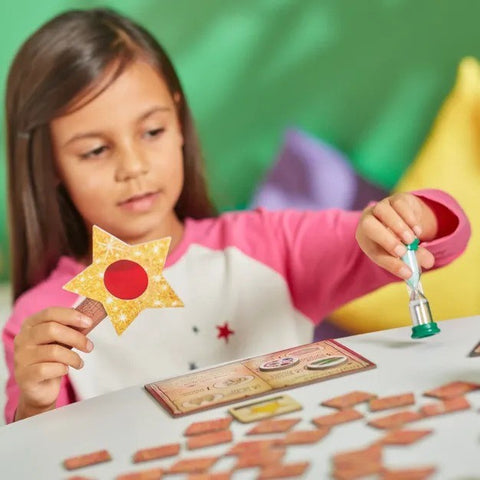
{"x": 96, "y": 152}
{"x": 155, "y": 132}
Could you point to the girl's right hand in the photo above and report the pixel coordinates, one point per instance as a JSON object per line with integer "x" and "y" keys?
{"x": 43, "y": 354}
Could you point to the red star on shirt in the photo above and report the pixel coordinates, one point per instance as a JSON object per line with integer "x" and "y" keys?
{"x": 224, "y": 331}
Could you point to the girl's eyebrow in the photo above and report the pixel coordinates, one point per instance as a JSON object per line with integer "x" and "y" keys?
{"x": 94, "y": 134}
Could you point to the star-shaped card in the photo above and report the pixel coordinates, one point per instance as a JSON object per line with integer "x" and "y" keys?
{"x": 125, "y": 279}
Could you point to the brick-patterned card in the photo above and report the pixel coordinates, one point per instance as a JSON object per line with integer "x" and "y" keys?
{"x": 348, "y": 400}
{"x": 342, "y": 416}
{"x": 209, "y": 439}
{"x": 259, "y": 458}
{"x": 395, "y": 420}
{"x": 254, "y": 445}
{"x": 447, "y": 406}
{"x": 404, "y": 437}
{"x": 210, "y": 476}
{"x": 273, "y": 426}
{"x": 349, "y": 458}
{"x": 88, "y": 459}
{"x": 153, "y": 453}
{"x": 208, "y": 426}
{"x": 305, "y": 437}
{"x": 150, "y": 474}
{"x": 420, "y": 473}
{"x": 393, "y": 401}
{"x": 193, "y": 465}
{"x": 285, "y": 470}
{"x": 452, "y": 389}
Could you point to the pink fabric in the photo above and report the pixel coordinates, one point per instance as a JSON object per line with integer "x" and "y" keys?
{"x": 315, "y": 252}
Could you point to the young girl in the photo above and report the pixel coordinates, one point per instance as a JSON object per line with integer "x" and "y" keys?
{"x": 100, "y": 133}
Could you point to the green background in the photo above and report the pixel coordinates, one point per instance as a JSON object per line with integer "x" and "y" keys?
{"x": 367, "y": 76}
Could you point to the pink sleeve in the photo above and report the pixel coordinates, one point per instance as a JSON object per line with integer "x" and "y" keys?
{"x": 24, "y": 307}
{"x": 328, "y": 269}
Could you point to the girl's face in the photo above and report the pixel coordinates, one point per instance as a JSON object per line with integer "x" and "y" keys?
{"x": 120, "y": 157}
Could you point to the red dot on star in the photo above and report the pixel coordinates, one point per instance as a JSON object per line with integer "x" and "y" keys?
{"x": 125, "y": 279}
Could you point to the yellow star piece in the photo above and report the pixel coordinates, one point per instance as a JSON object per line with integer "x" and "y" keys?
{"x": 140, "y": 286}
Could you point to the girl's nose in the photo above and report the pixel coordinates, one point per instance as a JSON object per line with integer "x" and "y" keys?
{"x": 131, "y": 164}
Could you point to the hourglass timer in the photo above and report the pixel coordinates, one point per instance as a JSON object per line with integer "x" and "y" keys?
{"x": 423, "y": 324}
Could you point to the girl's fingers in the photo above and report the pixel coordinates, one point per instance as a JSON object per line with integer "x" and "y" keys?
{"x": 41, "y": 372}
{"x": 409, "y": 207}
{"x": 393, "y": 265}
{"x": 55, "y": 353}
{"x": 391, "y": 218}
{"x": 376, "y": 232}
{"x": 53, "y": 332}
{"x": 425, "y": 258}
{"x": 65, "y": 316}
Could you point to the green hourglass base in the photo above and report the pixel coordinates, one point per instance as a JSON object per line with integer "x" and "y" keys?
{"x": 425, "y": 330}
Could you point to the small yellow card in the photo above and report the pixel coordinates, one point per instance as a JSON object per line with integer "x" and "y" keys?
{"x": 269, "y": 407}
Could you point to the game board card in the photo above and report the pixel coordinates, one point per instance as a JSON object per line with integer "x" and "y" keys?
{"x": 259, "y": 458}
{"x": 210, "y": 476}
{"x": 475, "y": 351}
{"x": 253, "y": 377}
{"x": 254, "y": 445}
{"x": 87, "y": 459}
{"x": 305, "y": 437}
{"x": 404, "y": 437}
{"x": 452, "y": 389}
{"x": 273, "y": 426}
{"x": 393, "y": 401}
{"x": 151, "y": 474}
{"x": 285, "y": 470}
{"x": 154, "y": 453}
{"x": 193, "y": 465}
{"x": 395, "y": 420}
{"x": 422, "y": 473}
{"x": 209, "y": 439}
{"x": 342, "y": 416}
{"x": 261, "y": 409}
{"x": 348, "y": 400}
{"x": 447, "y": 406}
{"x": 208, "y": 426}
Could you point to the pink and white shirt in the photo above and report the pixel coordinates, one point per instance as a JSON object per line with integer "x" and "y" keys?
{"x": 266, "y": 277}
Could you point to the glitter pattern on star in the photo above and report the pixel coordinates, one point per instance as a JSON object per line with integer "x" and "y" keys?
{"x": 107, "y": 250}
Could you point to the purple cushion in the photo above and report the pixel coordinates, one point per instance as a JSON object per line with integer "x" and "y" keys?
{"x": 310, "y": 174}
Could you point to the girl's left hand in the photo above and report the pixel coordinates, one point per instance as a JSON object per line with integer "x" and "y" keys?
{"x": 387, "y": 226}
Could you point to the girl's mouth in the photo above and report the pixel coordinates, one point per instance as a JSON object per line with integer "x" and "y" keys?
{"x": 140, "y": 203}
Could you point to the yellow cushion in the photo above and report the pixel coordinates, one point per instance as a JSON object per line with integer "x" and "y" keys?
{"x": 449, "y": 160}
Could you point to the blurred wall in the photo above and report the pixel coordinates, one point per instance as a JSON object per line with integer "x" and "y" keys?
{"x": 366, "y": 76}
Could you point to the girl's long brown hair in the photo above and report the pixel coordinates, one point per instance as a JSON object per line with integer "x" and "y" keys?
{"x": 53, "y": 69}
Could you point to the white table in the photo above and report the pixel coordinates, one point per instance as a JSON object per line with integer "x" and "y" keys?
{"x": 127, "y": 420}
